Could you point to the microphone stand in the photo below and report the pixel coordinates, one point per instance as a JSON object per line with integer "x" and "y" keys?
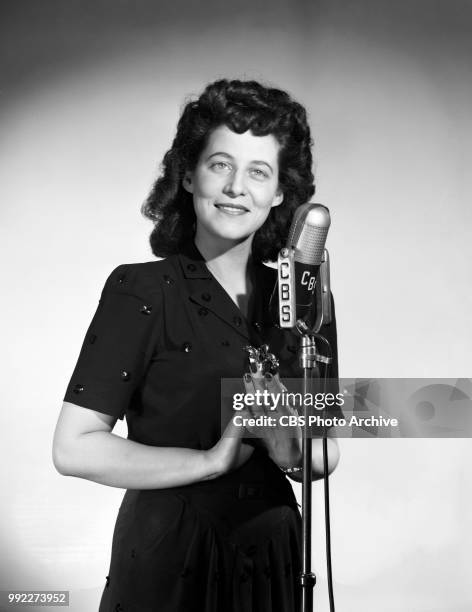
{"x": 308, "y": 358}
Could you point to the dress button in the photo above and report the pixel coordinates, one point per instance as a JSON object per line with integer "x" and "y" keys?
{"x": 186, "y": 347}
{"x": 92, "y": 338}
{"x": 206, "y": 297}
{"x": 146, "y": 309}
{"x": 225, "y": 343}
{"x": 133, "y": 553}
{"x": 168, "y": 279}
{"x": 125, "y": 375}
{"x": 78, "y": 388}
{"x": 257, "y": 325}
{"x": 238, "y": 321}
{"x": 118, "y": 608}
{"x": 203, "y": 311}
{"x": 191, "y": 267}
{"x": 121, "y": 278}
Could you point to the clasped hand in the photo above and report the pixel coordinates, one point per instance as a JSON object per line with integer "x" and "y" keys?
{"x": 267, "y": 417}
{"x": 281, "y": 438}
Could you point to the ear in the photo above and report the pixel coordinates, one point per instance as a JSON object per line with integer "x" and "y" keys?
{"x": 187, "y": 182}
{"x": 278, "y": 199}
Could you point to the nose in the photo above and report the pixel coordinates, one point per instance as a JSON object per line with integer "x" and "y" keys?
{"x": 235, "y": 185}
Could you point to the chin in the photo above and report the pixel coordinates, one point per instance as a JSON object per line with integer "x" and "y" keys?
{"x": 233, "y": 234}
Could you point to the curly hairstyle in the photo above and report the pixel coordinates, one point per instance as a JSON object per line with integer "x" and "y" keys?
{"x": 241, "y": 106}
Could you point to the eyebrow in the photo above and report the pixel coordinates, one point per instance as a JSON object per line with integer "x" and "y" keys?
{"x": 254, "y": 161}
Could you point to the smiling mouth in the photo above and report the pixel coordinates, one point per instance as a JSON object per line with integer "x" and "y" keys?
{"x": 232, "y": 209}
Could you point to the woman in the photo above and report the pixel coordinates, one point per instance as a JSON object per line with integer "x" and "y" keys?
{"x": 209, "y": 522}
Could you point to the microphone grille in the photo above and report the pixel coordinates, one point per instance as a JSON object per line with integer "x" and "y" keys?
{"x": 308, "y": 233}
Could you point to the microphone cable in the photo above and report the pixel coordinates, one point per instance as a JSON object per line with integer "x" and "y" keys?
{"x": 329, "y": 570}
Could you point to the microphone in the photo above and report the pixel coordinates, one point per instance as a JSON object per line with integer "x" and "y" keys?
{"x": 302, "y": 267}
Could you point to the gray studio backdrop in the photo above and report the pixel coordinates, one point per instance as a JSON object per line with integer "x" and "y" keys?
{"x": 90, "y": 94}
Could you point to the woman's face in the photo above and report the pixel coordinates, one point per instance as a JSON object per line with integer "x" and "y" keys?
{"x": 234, "y": 185}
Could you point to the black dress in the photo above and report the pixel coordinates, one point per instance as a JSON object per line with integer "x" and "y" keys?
{"x": 164, "y": 335}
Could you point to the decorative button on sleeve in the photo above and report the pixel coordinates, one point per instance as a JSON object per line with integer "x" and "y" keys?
{"x": 117, "y": 347}
{"x": 146, "y": 309}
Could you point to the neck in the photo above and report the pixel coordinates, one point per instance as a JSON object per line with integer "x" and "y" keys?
{"x": 230, "y": 264}
{"x": 225, "y": 258}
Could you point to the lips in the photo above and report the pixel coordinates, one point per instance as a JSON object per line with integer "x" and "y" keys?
{"x": 232, "y": 209}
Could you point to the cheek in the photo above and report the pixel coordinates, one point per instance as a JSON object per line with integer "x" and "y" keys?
{"x": 264, "y": 197}
{"x": 206, "y": 186}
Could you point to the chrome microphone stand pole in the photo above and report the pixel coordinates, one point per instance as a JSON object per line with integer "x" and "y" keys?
{"x": 307, "y": 357}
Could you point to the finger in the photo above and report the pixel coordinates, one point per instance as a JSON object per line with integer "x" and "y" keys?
{"x": 275, "y": 390}
{"x": 273, "y": 383}
{"x": 248, "y": 384}
{"x": 281, "y": 401}
{"x": 249, "y": 397}
{"x": 253, "y": 402}
{"x": 258, "y": 381}
{"x": 277, "y": 379}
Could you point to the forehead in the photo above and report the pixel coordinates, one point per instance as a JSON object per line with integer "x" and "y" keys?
{"x": 243, "y": 147}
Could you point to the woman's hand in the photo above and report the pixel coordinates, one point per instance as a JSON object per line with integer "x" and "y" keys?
{"x": 229, "y": 452}
{"x": 283, "y": 442}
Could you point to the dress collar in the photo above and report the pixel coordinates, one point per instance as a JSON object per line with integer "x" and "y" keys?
{"x": 192, "y": 262}
{"x": 211, "y": 295}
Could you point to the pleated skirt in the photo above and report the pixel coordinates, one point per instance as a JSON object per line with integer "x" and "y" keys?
{"x": 228, "y": 545}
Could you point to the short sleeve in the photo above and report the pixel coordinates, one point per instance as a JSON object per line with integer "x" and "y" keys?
{"x": 118, "y": 344}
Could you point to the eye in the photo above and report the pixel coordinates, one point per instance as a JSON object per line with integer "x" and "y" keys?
{"x": 258, "y": 173}
{"x": 220, "y": 166}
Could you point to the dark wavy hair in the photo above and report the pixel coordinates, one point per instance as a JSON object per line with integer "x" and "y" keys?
{"x": 241, "y": 106}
